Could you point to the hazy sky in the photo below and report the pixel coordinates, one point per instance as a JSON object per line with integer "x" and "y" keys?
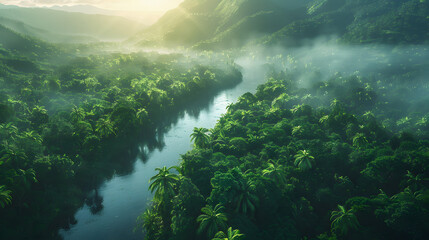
{"x": 133, "y": 5}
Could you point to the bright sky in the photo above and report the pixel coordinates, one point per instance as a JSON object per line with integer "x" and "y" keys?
{"x": 126, "y": 5}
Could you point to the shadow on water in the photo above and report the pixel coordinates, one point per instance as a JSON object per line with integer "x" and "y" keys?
{"x": 122, "y": 162}
{"x": 171, "y": 120}
{"x": 95, "y": 202}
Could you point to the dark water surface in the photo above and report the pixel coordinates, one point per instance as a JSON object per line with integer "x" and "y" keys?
{"x": 125, "y": 197}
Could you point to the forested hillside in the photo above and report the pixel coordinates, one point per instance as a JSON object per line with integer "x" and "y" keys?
{"x": 67, "y": 125}
{"x": 319, "y": 151}
{"x": 214, "y": 24}
{"x": 44, "y": 35}
{"x": 54, "y": 26}
{"x": 338, "y": 159}
{"x": 334, "y": 144}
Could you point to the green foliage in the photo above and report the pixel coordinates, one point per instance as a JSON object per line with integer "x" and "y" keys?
{"x": 150, "y": 223}
{"x": 263, "y": 150}
{"x": 186, "y": 208}
{"x": 230, "y": 235}
{"x": 64, "y": 118}
{"x": 200, "y": 137}
{"x": 5, "y": 197}
{"x": 303, "y": 160}
{"x": 163, "y": 184}
{"x": 343, "y": 220}
{"x": 211, "y": 220}
{"x": 105, "y": 128}
{"x": 277, "y": 172}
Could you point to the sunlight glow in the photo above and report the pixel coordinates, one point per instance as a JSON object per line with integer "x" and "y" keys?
{"x": 121, "y": 5}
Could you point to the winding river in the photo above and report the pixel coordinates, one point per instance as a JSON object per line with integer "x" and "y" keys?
{"x": 125, "y": 197}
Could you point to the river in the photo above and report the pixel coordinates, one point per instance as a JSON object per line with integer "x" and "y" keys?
{"x": 125, "y": 197}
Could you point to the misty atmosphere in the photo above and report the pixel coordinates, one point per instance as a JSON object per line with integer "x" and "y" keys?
{"x": 214, "y": 119}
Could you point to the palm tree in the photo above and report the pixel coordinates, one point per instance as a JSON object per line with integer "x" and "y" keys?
{"x": 276, "y": 172}
{"x": 26, "y": 177}
{"x": 409, "y": 196}
{"x": 17, "y": 157}
{"x": 246, "y": 200}
{"x": 149, "y": 221}
{"x": 422, "y": 122}
{"x": 229, "y": 107}
{"x": 142, "y": 115}
{"x": 163, "y": 184}
{"x": 5, "y": 197}
{"x": 324, "y": 119}
{"x": 221, "y": 138}
{"x": 200, "y": 137}
{"x": 32, "y": 135}
{"x": 104, "y": 127}
{"x": 230, "y": 235}
{"x": 280, "y": 101}
{"x": 336, "y": 104}
{"x": 8, "y": 131}
{"x": 343, "y": 220}
{"x": 212, "y": 220}
{"x": 296, "y": 108}
{"x": 359, "y": 140}
{"x": 297, "y": 130}
{"x": 39, "y": 115}
{"x": 369, "y": 116}
{"x": 303, "y": 160}
{"x": 77, "y": 114}
{"x": 415, "y": 181}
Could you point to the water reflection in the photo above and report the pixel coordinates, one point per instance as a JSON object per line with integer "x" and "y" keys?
{"x": 95, "y": 202}
{"x": 123, "y": 165}
{"x": 125, "y": 196}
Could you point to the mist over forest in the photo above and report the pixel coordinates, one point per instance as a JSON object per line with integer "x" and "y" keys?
{"x": 225, "y": 119}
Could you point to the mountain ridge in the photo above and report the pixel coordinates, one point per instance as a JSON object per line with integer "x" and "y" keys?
{"x": 102, "y": 27}
{"x": 217, "y": 24}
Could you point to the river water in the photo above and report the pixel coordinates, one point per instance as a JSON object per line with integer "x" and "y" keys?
{"x": 125, "y": 197}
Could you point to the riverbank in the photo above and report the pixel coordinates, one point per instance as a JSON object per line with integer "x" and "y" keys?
{"x": 98, "y": 109}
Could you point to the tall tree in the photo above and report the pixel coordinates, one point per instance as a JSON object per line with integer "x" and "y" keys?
{"x": 304, "y": 160}
{"x": 212, "y": 220}
{"x": 246, "y": 200}
{"x": 343, "y": 220}
{"x": 200, "y": 137}
{"x": 359, "y": 140}
{"x": 5, "y": 197}
{"x": 105, "y": 127}
{"x": 77, "y": 114}
{"x": 229, "y": 235}
{"x": 163, "y": 183}
{"x": 150, "y": 221}
{"x": 276, "y": 172}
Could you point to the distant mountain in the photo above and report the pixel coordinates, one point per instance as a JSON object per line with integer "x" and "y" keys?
{"x": 360, "y": 21}
{"x": 211, "y": 24}
{"x": 88, "y": 9}
{"x": 3, "y": 6}
{"x": 13, "y": 44}
{"x": 101, "y": 27}
{"x": 144, "y": 17}
{"x": 44, "y": 35}
{"x": 200, "y": 22}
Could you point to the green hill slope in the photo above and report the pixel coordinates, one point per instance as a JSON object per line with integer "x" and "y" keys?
{"x": 43, "y": 34}
{"x": 213, "y": 21}
{"x": 68, "y": 23}
{"x": 212, "y": 24}
{"x": 13, "y": 43}
{"x": 361, "y": 21}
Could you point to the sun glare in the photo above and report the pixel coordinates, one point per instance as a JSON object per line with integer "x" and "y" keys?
{"x": 121, "y": 5}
